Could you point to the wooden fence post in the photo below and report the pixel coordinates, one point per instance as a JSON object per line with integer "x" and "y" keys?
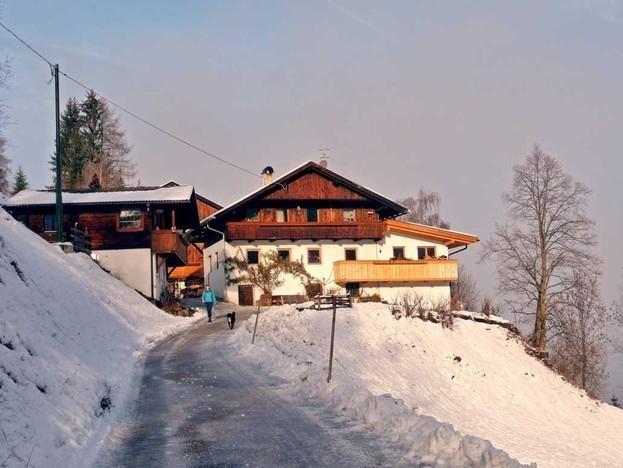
{"x": 334, "y": 302}
{"x": 257, "y": 317}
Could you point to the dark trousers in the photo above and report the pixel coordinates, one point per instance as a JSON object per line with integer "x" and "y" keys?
{"x": 209, "y": 306}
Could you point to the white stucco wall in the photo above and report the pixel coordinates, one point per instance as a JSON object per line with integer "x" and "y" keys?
{"x": 132, "y": 266}
{"x": 330, "y": 252}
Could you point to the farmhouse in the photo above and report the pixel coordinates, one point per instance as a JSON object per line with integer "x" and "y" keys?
{"x": 138, "y": 234}
{"x": 345, "y": 234}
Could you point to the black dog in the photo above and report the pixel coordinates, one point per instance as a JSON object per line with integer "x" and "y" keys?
{"x": 231, "y": 320}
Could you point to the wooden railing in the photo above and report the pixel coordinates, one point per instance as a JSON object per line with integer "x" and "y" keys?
{"x": 386, "y": 271}
{"x": 270, "y": 231}
{"x": 172, "y": 243}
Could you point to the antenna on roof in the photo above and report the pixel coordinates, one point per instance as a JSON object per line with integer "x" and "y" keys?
{"x": 324, "y": 159}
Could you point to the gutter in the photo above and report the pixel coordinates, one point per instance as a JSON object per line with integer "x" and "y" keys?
{"x": 457, "y": 251}
{"x": 207, "y": 225}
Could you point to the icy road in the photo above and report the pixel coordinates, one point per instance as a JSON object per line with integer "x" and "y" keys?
{"x": 199, "y": 405}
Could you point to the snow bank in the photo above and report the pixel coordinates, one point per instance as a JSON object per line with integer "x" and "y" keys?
{"x": 70, "y": 335}
{"x": 420, "y": 384}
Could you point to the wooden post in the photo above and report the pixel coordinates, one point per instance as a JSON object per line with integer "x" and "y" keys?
{"x": 257, "y": 317}
{"x": 333, "y": 300}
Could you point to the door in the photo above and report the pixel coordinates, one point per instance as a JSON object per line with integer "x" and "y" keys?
{"x": 245, "y": 295}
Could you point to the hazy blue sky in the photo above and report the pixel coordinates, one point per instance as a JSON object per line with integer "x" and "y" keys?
{"x": 446, "y": 96}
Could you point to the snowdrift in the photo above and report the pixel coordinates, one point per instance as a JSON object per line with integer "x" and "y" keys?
{"x": 419, "y": 384}
{"x": 70, "y": 336}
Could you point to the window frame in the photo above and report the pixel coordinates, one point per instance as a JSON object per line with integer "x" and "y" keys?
{"x": 311, "y": 210}
{"x": 131, "y": 229}
{"x": 426, "y": 250}
{"x": 53, "y": 218}
{"x": 319, "y": 262}
{"x": 350, "y": 249}
{"x": 285, "y": 215}
{"x": 289, "y": 251}
{"x": 394, "y": 256}
{"x": 348, "y": 220}
{"x": 254, "y": 219}
{"x": 255, "y": 251}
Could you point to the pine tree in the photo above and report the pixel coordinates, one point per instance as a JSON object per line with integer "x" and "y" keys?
{"x": 72, "y": 144}
{"x": 20, "y": 181}
{"x": 5, "y": 171}
{"x": 107, "y": 152}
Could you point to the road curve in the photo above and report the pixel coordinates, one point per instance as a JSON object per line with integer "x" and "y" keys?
{"x": 200, "y": 405}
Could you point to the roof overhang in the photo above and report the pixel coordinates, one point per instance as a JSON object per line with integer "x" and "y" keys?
{"x": 451, "y": 239}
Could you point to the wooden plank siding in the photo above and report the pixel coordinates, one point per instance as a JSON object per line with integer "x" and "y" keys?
{"x": 325, "y": 215}
{"x": 274, "y": 231}
{"x": 313, "y": 186}
{"x": 170, "y": 243}
{"x": 394, "y": 271}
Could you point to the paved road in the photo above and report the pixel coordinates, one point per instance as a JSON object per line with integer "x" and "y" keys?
{"x": 199, "y": 405}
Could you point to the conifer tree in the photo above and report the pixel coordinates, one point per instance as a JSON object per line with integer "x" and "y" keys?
{"x": 20, "y": 183}
{"x": 72, "y": 144}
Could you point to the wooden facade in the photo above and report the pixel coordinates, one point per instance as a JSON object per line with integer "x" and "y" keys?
{"x": 297, "y": 231}
{"x": 395, "y": 271}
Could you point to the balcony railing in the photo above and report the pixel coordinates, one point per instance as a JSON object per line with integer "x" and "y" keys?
{"x": 394, "y": 271}
{"x": 171, "y": 244}
{"x": 294, "y": 231}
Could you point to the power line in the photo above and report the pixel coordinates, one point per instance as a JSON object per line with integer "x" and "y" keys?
{"x": 130, "y": 113}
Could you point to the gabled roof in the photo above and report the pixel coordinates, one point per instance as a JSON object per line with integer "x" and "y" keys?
{"x": 173, "y": 183}
{"x": 396, "y": 209}
{"x": 182, "y": 193}
{"x": 448, "y": 237}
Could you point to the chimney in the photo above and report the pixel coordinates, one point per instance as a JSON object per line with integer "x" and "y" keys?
{"x": 267, "y": 175}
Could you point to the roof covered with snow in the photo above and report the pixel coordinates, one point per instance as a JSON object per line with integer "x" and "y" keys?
{"x": 180, "y": 193}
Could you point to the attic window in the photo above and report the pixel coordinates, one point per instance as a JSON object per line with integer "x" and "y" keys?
{"x": 348, "y": 215}
{"x": 130, "y": 220}
{"x": 253, "y": 214}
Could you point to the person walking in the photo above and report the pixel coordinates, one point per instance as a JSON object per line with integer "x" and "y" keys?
{"x": 208, "y": 299}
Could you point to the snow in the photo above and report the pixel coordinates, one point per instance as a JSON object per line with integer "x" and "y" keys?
{"x": 70, "y": 334}
{"x": 419, "y": 384}
{"x": 162, "y": 194}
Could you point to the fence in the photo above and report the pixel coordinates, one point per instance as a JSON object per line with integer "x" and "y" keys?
{"x": 81, "y": 240}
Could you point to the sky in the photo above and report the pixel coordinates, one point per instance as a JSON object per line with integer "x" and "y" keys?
{"x": 445, "y": 96}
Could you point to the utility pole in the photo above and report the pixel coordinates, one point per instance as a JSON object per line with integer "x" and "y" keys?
{"x": 60, "y": 237}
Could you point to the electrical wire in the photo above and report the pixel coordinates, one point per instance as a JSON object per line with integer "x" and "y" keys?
{"x": 130, "y": 113}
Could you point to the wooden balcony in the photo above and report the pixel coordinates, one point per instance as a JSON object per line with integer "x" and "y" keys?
{"x": 394, "y": 271}
{"x": 171, "y": 244}
{"x": 296, "y": 231}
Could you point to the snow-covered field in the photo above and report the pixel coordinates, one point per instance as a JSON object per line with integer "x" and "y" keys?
{"x": 390, "y": 373}
{"x": 70, "y": 335}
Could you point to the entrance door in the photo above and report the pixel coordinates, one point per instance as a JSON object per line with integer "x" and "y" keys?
{"x": 245, "y": 295}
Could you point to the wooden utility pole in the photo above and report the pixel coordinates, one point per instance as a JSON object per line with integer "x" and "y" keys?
{"x": 60, "y": 236}
{"x": 334, "y": 302}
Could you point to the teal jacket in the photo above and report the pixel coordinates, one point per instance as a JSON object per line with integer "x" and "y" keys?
{"x": 208, "y": 296}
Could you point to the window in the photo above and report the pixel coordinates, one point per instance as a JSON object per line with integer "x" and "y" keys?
{"x": 281, "y": 215}
{"x": 284, "y": 254}
{"x": 253, "y": 257}
{"x": 22, "y": 219}
{"x": 130, "y": 220}
{"x": 313, "y": 256}
{"x": 399, "y": 252}
{"x": 49, "y": 223}
{"x": 253, "y": 214}
{"x": 350, "y": 254}
{"x": 312, "y": 215}
{"x": 348, "y": 215}
{"x": 425, "y": 252}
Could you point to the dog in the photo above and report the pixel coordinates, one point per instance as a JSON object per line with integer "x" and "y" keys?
{"x": 231, "y": 320}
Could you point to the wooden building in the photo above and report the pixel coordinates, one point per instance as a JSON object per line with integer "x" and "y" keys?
{"x": 345, "y": 234}
{"x": 138, "y": 234}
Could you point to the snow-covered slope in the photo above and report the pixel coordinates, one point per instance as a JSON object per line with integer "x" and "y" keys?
{"x": 70, "y": 335}
{"x": 477, "y": 377}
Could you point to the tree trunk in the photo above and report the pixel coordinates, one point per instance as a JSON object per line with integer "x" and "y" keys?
{"x": 539, "y": 323}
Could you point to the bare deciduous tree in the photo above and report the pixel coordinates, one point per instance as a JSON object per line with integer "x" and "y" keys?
{"x": 616, "y": 318}
{"x": 578, "y": 339}
{"x": 547, "y": 238}
{"x": 424, "y": 209}
{"x": 464, "y": 292}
